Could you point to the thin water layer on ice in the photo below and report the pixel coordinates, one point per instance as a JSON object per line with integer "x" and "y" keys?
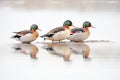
{"x": 46, "y": 60}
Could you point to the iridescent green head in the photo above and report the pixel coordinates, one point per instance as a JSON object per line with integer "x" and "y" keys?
{"x": 34, "y": 27}
{"x": 67, "y": 23}
{"x": 87, "y": 24}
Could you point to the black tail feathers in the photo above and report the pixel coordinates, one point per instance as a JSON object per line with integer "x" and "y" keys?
{"x": 16, "y": 36}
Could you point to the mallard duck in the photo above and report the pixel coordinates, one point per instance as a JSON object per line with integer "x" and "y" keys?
{"x": 80, "y": 34}
{"x": 59, "y": 33}
{"x": 27, "y": 36}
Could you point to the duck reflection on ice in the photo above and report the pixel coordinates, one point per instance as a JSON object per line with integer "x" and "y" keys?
{"x": 65, "y": 50}
{"x": 81, "y": 48}
{"x": 61, "y": 50}
{"x": 28, "y": 49}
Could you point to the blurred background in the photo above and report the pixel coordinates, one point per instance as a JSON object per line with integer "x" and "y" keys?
{"x": 79, "y": 5}
{"x": 47, "y": 14}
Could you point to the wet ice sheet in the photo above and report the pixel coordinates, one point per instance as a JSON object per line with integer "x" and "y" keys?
{"x": 90, "y": 60}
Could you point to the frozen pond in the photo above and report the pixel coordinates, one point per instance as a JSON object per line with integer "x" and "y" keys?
{"x": 89, "y": 60}
{"x": 43, "y": 60}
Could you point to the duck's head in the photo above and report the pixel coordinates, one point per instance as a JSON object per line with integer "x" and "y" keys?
{"x": 34, "y": 27}
{"x": 87, "y": 24}
{"x": 67, "y": 23}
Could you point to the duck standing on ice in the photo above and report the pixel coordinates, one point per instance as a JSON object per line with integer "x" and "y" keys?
{"x": 59, "y": 33}
{"x": 80, "y": 34}
{"x": 27, "y": 36}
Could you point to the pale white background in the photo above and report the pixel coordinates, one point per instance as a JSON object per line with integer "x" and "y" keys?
{"x": 18, "y": 15}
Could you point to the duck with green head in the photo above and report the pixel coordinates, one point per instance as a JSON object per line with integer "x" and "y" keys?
{"x": 27, "y": 36}
{"x": 59, "y": 33}
{"x": 80, "y": 34}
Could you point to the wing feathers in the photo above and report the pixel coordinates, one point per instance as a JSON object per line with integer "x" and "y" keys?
{"x": 74, "y": 30}
{"x": 24, "y": 32}
{"x": 53, "y": 31}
